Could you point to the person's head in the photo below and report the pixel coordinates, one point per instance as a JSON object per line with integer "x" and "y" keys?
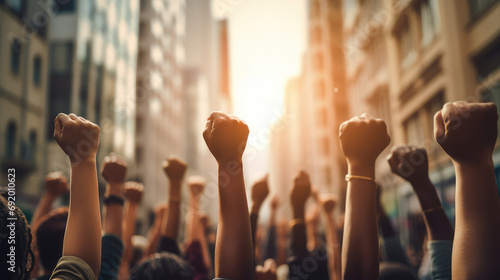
{"x": 17, "y": 258}
{"x": 396, "y": 271}
{"x": 49, "y": 233}
{"x": 162, "y": 266}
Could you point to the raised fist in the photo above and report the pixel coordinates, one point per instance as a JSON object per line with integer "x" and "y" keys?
{"x": 133, "y": 191}
{"x": 174, "y": 168}
{"x": 467, "y": 132}
{"x": 56, "y": 184}
{"x": 226, "y": 137}
{"x": 77, "y": 137}
{"x": 275, "y": 202}
{"x": 301, "y": 189}
{"x": 329, "y": 201}
{"x": 363, "y": 138}
{"x": 196, "y": 186}
{"x": 267, "y": 271}
{"x": 114, "y": 169}
{"x": 409, "y": 162}
{"x": 260, "y": 190}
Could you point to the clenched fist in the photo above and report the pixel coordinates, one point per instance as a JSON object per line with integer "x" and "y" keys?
{"x": 267, "y": 271}
{"x": 196, "y": 186}
{"x": 301, "y": 189}
{"x": 467, "y": 132}
{"x": 226, "y": 137}
{"x": 56, "y": 184}
{"x": 77, "y": 137}
{"x": 329, "y": 201}
{"x": 409, "y": 162}
{"x": 174, "y": 168}
{"x": 363, "y": 138}
{"x": 114, "y": 169}
{"x": 260, "y": 190}
{"x": 134, "y": 191}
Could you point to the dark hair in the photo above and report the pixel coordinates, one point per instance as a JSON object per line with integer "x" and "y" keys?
{"x": 49, "y": 233}
{"x": 396, "y": 271}
{"x": 24, "y": 258}
{"x": 162, "y": 266}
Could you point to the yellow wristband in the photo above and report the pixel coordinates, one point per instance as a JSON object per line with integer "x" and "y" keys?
{"x": 432, "y": 209}
{"x": 348, "y": 178}
{"x": 296, "y": 222}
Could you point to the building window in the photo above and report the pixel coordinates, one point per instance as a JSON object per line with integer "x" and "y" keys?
{"x": 316, "y": 35}
{"x": 478, "y": 7}
{"x": 318, "y": 62}
{"x": 10, "y": 140}
{"x": 67, "y": 6}
{"x": 37, "y": 70}
{"x": 18, "y": 7}
{"x": 15, "y": 56}
{"x": 434, "y": 105}
{"x": 414, "y": 130}
{"x": 430, "y": 21}
{"x": 31, "y": 148}
{"x": 407, "y": 54}
{"x": 325, "y": 144}
{"x": 61, "y": 57}
{"x": 492, "y": 94}
{"x": 315, "y": 9}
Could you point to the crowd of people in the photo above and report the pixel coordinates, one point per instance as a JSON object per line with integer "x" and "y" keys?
{"x": 74, "y": 243}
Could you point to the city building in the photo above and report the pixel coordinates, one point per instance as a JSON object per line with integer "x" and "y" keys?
{"x": 405, "y": 60}
{"x": 160, "y": 116}
{"x": 324, "y": 88}
{"x": 92, "y": 69}
{"x": 23, "y": 92}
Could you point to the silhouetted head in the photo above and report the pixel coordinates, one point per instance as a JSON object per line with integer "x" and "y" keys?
{"x": 49, "y": 233}
{"x": 396, "y": 271}
{"x": 15, "y": 233}
{"x": 162, "y": 266}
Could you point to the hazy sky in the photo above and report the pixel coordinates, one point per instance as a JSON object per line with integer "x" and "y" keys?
{"x": 266, "y": 39}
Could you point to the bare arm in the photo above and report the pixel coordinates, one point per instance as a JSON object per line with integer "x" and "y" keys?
{"x": 226, "y": 138}
{"x": 83, "y": 230}
{"x": 133, "y": 193}
{"x": 467, "y": 133}
{"x": 154, "y": 231}
{"x": 333, "y": 247}
{"x": 114, "y": 172}
{"x": 360, "y": 250}
{"x": 175, "y": 170}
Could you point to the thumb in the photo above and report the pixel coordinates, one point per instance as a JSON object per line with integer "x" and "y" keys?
{"x": 57, "y": 129}
{"x": 439, "y": 130}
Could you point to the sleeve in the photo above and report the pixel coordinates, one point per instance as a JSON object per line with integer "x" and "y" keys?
{"x": 270, "y": 249}
{"x": 195, "y": 257}
{"x": 440, "y": 252}
{"x": 168, "y": 244}
{"x": 111, "y": 257}
{"x": 72, "y": 268}
{"x": 392, "y": 251}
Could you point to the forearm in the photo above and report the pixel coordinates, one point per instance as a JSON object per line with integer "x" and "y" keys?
{"x": 171, "y": 220}
{"x": 298, "y": 232}
{"x": 436, "y": 221}
{"x": 233, "y": 249}
{"x": 83, "y": 230}
{"x": 333, "y": 249}
{"x": 477, "y": 222}
{"x": 360, "y": 250}
{"x": 154, "y": 236}
{"x": 113, "y": 213}
{"x": 43, "y": 208}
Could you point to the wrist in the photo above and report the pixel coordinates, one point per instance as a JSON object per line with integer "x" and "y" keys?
{"x": 232, "y": 167}
{"x": 114, "y": 189}
{"x": 366, "y": 169}
{"x": 298, "y": 212}
{"x": 85, "y": 162}
{"x": 255, "y": 208}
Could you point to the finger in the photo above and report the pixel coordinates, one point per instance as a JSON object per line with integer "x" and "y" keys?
{"x": 57, "y": 129}
{"x": 439, "y": 129}
{"x": 63, "y": 118}
{"x": 270, "y": 265}
{"x": 73, "y": 116}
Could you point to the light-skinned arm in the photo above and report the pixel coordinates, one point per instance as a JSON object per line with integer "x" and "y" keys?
{"x": 175, "y": 169}
{"x": 79, "y": 139}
